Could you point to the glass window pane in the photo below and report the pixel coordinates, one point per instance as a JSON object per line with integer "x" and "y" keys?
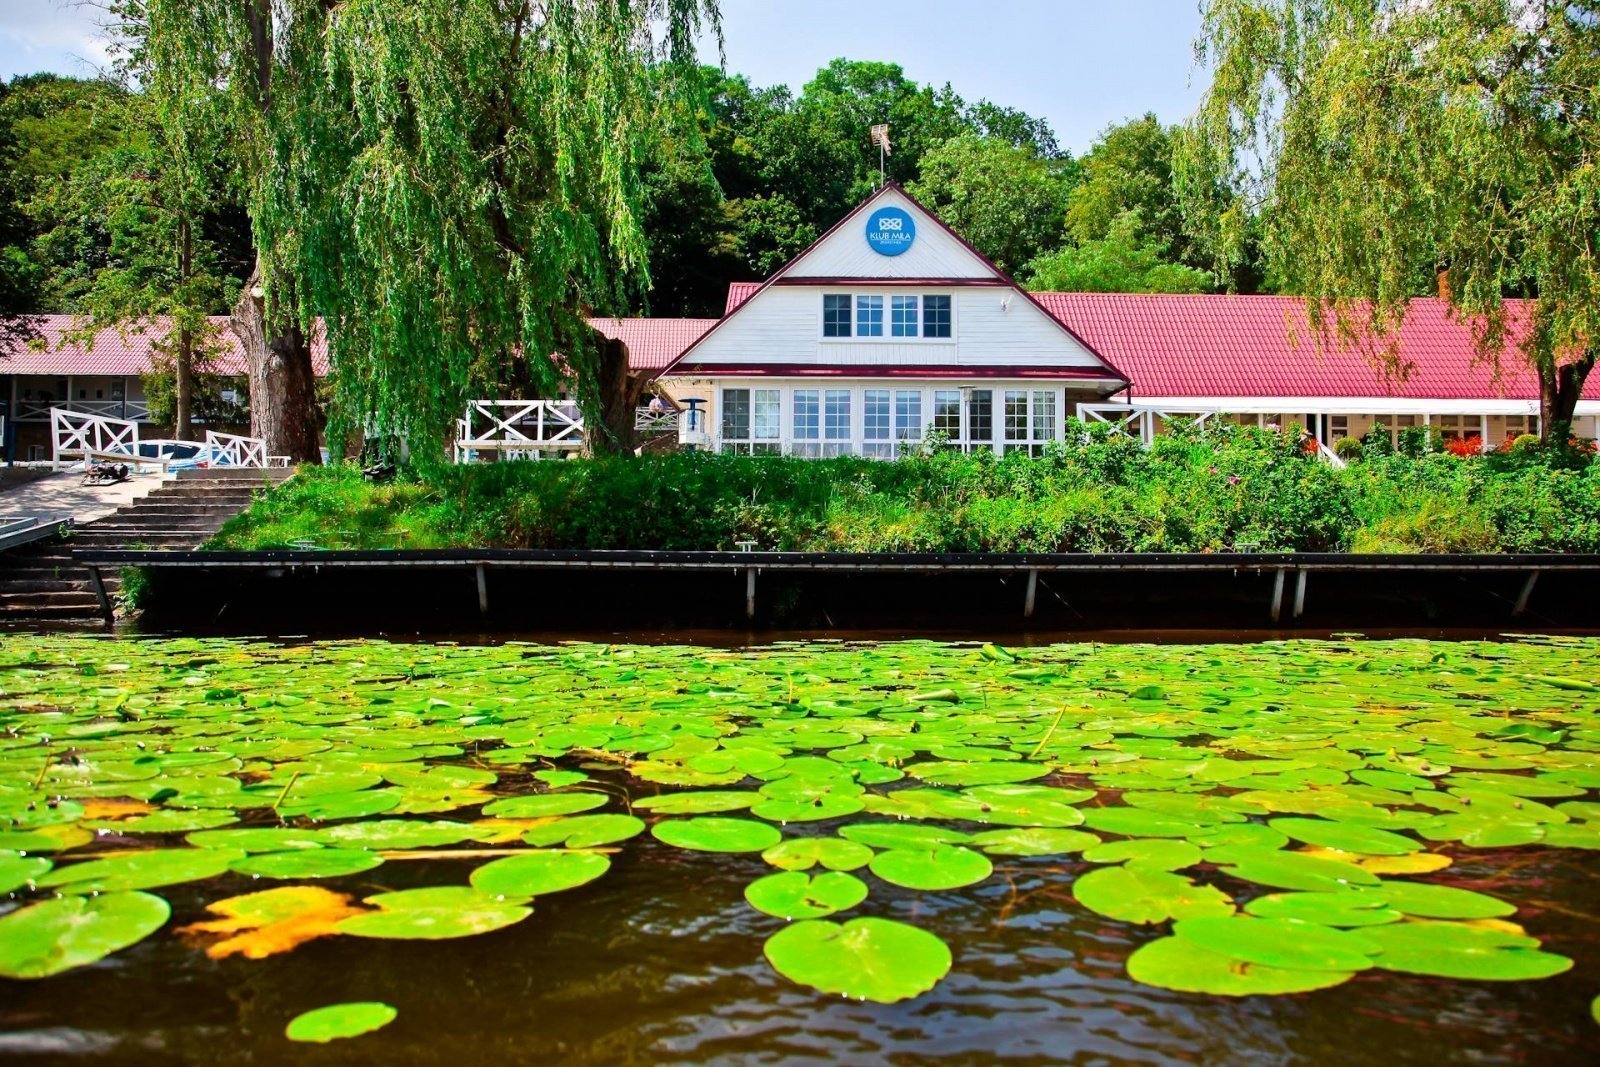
{"x": 903, "y": 316}
{"x": 1044, "y": 416}
{"x": 980, "y": 418}
{"x": 735, "y": 414}
{"x": 807, "y": 410}
{"x": 1016, "y": 417}
{"x": 947, "y": 412}
{"x": 907, "y": 415}
{"x": 936, "y": 316}
{"x": 836, "y": 315}
{"x": 767, "y": 415}
{"x": 869, "y": 316}
{"x": 875, "y": 423}
{"x": 836, "y": 422}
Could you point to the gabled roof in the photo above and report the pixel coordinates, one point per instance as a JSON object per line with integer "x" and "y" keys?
{"x": 738, "y": 293}
{"x": 999, "y": 276}
{"x": 1263, "y": 346}
{"x": 653, "y": 343}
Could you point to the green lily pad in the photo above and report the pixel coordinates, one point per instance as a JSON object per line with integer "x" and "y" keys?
{"x": 167, "y": 821}
{"x": 17, "y": 870}
{"x": 1426, "y": 901}
{"x": 814, "y": 810}
{"x": 308, "y": 863}
{"x": 337, "y": 1021}
{"x": 1139, "y": 822}
{"x": 586, "y": 831}
{"x": 395, "y": 834}
{"x": 1145, "y": 895}
{"x": 540, "y": 805}
{"x": 140, "y": 870}
{"x": 1288, "y": 870}
{"x": 797, "y": 895}
{"x": 711, "y": 833}
{"x": 1178, "y": 964}
{"x": 702, "y": 802}
{"x": 1032, "y": 841}
{"x": 804, "y": 853}
{"x": 65, "y": 932}
{"x": 1351, "y": 907}
{"x": 865, "y": 959}
{"x": 957, "y": 772}
{"x": 1159, "y": 853}
{"x": 1279, "y": 943}
{"x": 433, "y": 913}
{"x": 902, "y": 835}
{"x": 941, "y": 867}
{"x": 537, "y": 873}
{"x": 1451, "y": 950}
{"x": 257, "y": 839}
{"x": 1346, "y": 837}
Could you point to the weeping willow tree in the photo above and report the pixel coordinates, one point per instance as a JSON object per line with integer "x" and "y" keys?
{"x": 448, "y": 188}
{"x": 1388, "y": 146}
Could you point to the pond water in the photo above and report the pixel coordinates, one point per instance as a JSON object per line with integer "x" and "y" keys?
{"x": 1313, "y": 851}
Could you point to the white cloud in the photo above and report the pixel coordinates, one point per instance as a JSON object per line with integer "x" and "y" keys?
{"x": 56, "y": 35}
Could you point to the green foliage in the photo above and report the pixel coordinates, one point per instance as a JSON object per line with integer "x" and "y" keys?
{"x": 1115, "y": 264}
{"x": 1349, "y": 449}
{"x": 1005, "y": 199}
{"x": 1194, "y": 490}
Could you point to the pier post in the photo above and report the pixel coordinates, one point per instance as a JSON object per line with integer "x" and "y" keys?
{"x": 1277, "y": 596}
{"x": 1031, "y": 595}
{"x": 483, "y": 591}
{"x": 1527, "y": 591}
{"x": 750, "y": 592}
{"x": 1299, "y": 593}
{"x": 106, "y": 610}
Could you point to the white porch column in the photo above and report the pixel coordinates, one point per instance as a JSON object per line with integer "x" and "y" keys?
{"x": 1483, "y": 432}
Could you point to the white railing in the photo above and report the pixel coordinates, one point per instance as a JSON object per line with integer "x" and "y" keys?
{"x": 83, "y": 436}
{"x": 646, "y": 420}
{"x": 231, "y": 450}
{"x": 127, "y": 410}
{"x": 1139, "y": 420}
{"x": 76, "y": 435}
{"x": 518, "y": 429}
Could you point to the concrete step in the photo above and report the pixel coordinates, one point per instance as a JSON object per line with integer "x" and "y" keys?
{"x": 85, "y": 602}
{"x": 223, "y": 474}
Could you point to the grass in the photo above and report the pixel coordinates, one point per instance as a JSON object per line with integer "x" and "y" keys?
{"x": 1203, "y": 491}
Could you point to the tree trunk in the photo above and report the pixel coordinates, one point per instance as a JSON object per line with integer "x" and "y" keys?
{"x": 1560, "y": 389}
{"x": 619, "y": 400}
{"x": 183, "y": 413}
{"x": 283, "y": 395}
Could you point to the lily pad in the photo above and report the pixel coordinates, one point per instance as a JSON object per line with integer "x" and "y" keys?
{"x": 804, "y": 853}
{"x": 395, "y": 834}
{"x": 308, "y": 863}
{"x": 17, "y": 870}
{"x": 941, "y": 867}
{"x": 1279, "y": 943}
{"x": 585, "y": 831}
{"x": 540, "y": 805}
{"x": 1346, "y": 837}
{"x": 140, "y": 870}
{"x": 1159, "y": 853}
{"x": 797, "y": 895}
{"x": 1350, "y": 908}
{"x": 337, "y": 1021}
{"x": 1454, "y": 950}
{"x": 710, "y": 833}
{"x": 537, "y": 873}
{"x": 902, "y": 835}
{"x": 1033, "y": 841}
{"x": 1178, "y": 964}
{"x": 1426, "y": 901}
{"x": 65, "y": 932}
{"x": 433, "y": 913}
{"x": 1145, "y": 895}
{"x": 865, "y": 959}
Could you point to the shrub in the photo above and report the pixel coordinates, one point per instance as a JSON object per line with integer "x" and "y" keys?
{"x": 1349, "y": 449}
{"x": 1524, "y": 444}
{"x": 1465, "y": 446}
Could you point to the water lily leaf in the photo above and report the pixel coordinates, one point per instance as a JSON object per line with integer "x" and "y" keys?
{"x": 585, "y": 831}
{"x": 308, "y": 863}
{"x": 797, "y": 895}
{"x": 395, "y": 834}
{"x": 1279, "y": 942}
{"x": 1426, "y": 901}
{"x": 956, "y": 772}
{"x": 804, "y": 853}
{"x": 65, "y": 932}
{"x": 1416, "y": 863}
{"x": 702, "y": 802}
{"x": 433, "y": 913}
{"x": 273, "y": 921}
{"x": 1139, "y": 822}
{"x": 1175, "y": 963}
{"x": 1345, "y": 837}
{"x": 1158, "y": 853}
{"x": 166, "y": 822}
{"x": 537, "y": 873}
{"x": 937, "y": 868}
{"x": 1033, "y": 841}
{"x": 17, "y": 870}
{"x": 256, "y": 839}
{"x": 57, "y": 838}
{"x": 1348, "y": 908}
{"x": 867, "y": 959}
{"x": 711, "y": 833}
{"x": 325, "y": 806}
{"x": 337, "y": 1021}
{"x": 1288, "y": 870}
{"x": 813, "y": 810}
{"x": 1456, "y": 950}
{"x": 140, "y": 870}
{"x": 1145, "y": 895}
{"x": 555, "y": 779}
{"x": 540, "y": 805}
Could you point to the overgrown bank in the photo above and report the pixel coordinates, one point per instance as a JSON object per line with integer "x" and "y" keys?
{"x": 1214, "y": 491}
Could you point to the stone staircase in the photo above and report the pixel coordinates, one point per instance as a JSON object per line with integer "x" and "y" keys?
{"x": 40, "y": 583}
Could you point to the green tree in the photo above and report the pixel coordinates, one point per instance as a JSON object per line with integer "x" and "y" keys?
{"x": 1128, "y": 175}
{"x": 18, "y": 282}
{"x": 1118, "y": 263}
{"x": 1005, "y": 199}
{"x": 1380, "y": 141}
{"x": 450, "y": 187}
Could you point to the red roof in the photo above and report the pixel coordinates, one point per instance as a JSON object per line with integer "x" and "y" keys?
{"x": 653, "y": 343}
{"x": 1263, "y": 346}
{"x": 899, "y": 370}
{"x": 116, "y": 353}
{"x": 738, "y": 293}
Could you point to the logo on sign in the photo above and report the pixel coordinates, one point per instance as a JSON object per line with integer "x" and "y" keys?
{"x": 890, "y": 231}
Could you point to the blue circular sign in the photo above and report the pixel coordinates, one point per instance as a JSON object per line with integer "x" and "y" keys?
{"x": 890, "y": 230}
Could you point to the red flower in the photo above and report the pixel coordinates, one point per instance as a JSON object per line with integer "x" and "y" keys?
{"x": 1464, "y": 446}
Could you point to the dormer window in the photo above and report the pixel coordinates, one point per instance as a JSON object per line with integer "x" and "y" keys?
{"x": 836, "y": 315}
{"x": 892, "y": 316}
{"x": 903, "y": 316}
{"x": 869, "y": 316}
{"x": 936, "y": 316}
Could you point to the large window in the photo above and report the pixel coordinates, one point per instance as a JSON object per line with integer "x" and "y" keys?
{"x": 903, "y": 316}
{"x": 875, "y": 424}
{"x": 836, "y": 429}
{"x": 836, "y": 315}
{"x": 750, "y": 422}
{"x": 1030, "y": 420}
{"x": 907, "y": 419}
{"x": 947, "y": 413}
{"x": 807, "y": 423}
{"x": 1016, "y": 419}
{"x": 869, "y": 316}
{"x": 936, "y": 316}
{"x": 980, "y": 419}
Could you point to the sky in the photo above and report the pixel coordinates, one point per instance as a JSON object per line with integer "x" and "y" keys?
{"x": 1081, "y": 64}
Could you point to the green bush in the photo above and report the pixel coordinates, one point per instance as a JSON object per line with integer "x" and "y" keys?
{"x": 1196, "y": 490}
{"x": 1348, "y": 449}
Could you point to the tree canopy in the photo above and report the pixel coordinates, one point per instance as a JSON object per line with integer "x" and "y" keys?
{"x": 1382, "y": 147}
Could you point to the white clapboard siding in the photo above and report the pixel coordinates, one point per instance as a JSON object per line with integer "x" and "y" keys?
{"x": 935, "y": 253}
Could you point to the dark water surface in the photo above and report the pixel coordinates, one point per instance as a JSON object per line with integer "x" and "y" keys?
{"x": 660, "y": 961}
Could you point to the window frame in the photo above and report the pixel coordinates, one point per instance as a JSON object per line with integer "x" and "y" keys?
{"x": 888, "y": 295}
